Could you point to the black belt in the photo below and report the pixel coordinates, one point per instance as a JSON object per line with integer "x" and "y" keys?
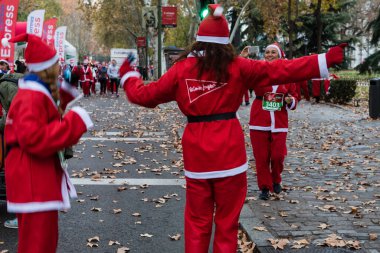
{"x": 212, "y": 117}
{"x": 259, "y": 97}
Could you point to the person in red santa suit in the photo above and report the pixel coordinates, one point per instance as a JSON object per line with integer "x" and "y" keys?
{"x": 86, "y": 78}
{"x": 208, "y": 82}
{"x": 269, "y": 126}
{"x": 302, "y": 87}
{"x": 37, "y": 182}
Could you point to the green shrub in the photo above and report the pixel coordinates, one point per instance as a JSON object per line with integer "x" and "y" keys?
{"x": 342, "y": 91}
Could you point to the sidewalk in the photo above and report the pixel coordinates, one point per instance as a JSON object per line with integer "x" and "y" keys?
{"x": 331, "y": 182}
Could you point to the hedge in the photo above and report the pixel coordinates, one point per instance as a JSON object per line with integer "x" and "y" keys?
{"x": 341, "y": 91}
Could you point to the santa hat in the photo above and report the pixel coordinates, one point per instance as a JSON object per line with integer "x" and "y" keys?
{"x": 4, "y": 61}
{"x": 277, "y": 46}
{"x": 38, "y": 55}
{"x": 214, "y": 28}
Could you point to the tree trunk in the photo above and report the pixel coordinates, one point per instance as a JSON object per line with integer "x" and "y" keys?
{"x": 319, "y": 26}
{"x": 291, "y": 29}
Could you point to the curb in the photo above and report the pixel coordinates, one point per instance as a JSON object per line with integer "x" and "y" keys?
{"x": 248, "y": 221}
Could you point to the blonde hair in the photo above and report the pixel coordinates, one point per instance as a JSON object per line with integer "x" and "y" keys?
{"x": 50, "y": 76}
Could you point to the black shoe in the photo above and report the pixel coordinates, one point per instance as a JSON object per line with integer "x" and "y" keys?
{"x": 247, "y": 103}
{"x": 264, "y": 195}
{"x": 277, "y": 188}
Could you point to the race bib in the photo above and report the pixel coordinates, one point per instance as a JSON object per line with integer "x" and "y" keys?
{"x": 273, "y": 101}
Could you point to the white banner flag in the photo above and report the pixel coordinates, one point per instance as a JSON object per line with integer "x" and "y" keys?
{"x": 35, "y": 22}
{"x": 59, "y": 42}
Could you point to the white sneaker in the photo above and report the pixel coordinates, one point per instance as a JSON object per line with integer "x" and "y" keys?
{"x": 11, "y": 223}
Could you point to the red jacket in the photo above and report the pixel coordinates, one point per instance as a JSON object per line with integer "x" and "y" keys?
{"x": 86, "y": 74}
{"x": 274, "y": 121}
{"x": 215, "y": 149}
{"x": 35, "y": 132}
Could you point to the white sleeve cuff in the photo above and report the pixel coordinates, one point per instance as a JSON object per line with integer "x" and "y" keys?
{"x": 292, "y": 105}
{"x": 84, "y": 116}
{"x": 128, "y": 75}
{"x": 323, "y": 70}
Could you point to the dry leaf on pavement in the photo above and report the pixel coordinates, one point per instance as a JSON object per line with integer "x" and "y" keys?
{"x": 93, "y": 239}
{"x": 123, "y": 250}
{"x": 260, "y": 228}
{"x": 373, "y": 236}
{"x": 278, "y": 243}
{"x": 146, "y": 235}
{"x": 175, "y": 237}
{"x": 323, "y": 226}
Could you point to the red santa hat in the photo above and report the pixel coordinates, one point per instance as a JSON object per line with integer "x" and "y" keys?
{"x": 38, "y": 55}
{"x": 277, "y": 46}
{"x": 214, "y": 28}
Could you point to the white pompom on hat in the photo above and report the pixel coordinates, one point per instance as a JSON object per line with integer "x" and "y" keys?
{"x": 38, "y": 55}
{"x": 214, "y": 28}
{"x": 281, "y": 54}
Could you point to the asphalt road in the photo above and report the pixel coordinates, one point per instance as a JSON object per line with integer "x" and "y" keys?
{"x": 128, "y": 173}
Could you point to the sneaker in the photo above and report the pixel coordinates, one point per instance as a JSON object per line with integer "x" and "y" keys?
{"x": 11, "y": 223}
{"x": 264, "y": 195}
{"x": 277, "y": 188}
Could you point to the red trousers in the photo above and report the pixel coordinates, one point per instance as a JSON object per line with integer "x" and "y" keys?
{"x": 302, "y": 86}
{"x": 38, "y": 232}
{"x": 316, "y": 87}
{"x": 86, "y": 87}
{"x": 93, "y": 91}
{"x": 269, "y": 150}
{"x": 219, "y": 200}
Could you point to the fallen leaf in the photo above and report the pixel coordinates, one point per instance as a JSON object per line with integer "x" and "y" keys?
{"x": 96, "y": 209}
{"x": 92, "y": 245}
{"x": 110, "y": 243}
{"x": 278, "y": 243}
{"x": 116, "y": 211}
{"x": 175, "y": 237}
{"x": 260, "y": 228}
{"x": 146, "y": 235}
{"x": 136, "y": 214}
{"x": 123, "y": 250}
{"x": 93, "y": 239}
{"x": 323, "y": 226}
{"x": 373, "y": 236}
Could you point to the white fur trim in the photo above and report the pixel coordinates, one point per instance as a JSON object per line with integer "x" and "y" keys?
{"x": 323, "y": 70}
{"x": 277, "y": 48}
{"x": 84, "y": 116}
{"x": 273, "y": 130}
{"x": 36, "y": 67}
{"x": 32, "y": 207}
{"x": 292, "y": 105}
{"x": 213, "y": 39}
{"x": 217, "y": 174}
{"x": 5, "y": 42}
{"x": 218, "y": 11}
{"x": 34, "y": 86}
{"x": 70, "y": 89}
{"x": 128, "y": 75}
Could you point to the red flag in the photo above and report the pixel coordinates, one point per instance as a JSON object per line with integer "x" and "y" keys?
{"x": 49, "y": 30}
{"x": 8, "y": 17}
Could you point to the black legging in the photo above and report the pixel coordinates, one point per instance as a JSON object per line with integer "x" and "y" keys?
{"x": 114, "y": 81}
{"x": 103, "y": 85}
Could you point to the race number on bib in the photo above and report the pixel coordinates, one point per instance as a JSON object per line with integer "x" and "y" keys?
{"x": 273, "y": 101}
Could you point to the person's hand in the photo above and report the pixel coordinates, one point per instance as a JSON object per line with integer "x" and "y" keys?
{"x": 244, "y": 53}
{"x": 289, "y": 99}
{"x": 126, "y": 66}
{"x": 335, "y": 55}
